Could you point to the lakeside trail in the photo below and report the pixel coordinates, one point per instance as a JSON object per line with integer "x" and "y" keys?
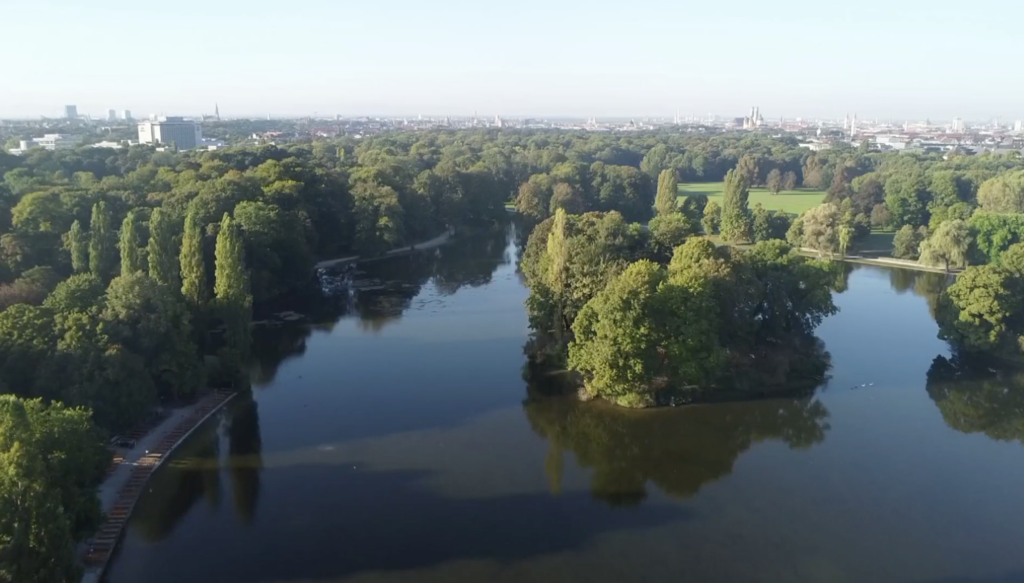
{"x": 421, "y": 246}
{"x": 884, "y": 261}
{"x": 123, "y": 486}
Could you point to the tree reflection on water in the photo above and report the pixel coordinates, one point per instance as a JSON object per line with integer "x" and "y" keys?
{"x": 677, "y": 449}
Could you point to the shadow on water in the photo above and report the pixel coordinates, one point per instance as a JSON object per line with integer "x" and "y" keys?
{"x": 195, "y": 473}
{"x": 388, "y": 289}
{"x": 677, "y": 449}
{"x": 1010, "y": 577}
{"x": 975, "y": 398}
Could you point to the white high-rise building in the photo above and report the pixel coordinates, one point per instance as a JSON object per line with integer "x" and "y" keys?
{"x": 1018, "y": 126}
{"x": 70, "y": 112}
{"x": 182, "y": 133}
{"x": 958, "y": 126}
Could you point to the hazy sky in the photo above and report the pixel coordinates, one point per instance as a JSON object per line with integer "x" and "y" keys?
{"x": 810, "y": 58}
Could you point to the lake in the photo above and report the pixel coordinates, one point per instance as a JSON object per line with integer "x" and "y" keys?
{"x": 394, "y": 439}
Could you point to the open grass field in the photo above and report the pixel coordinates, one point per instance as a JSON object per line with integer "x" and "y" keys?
{"x": 793, "y": 202}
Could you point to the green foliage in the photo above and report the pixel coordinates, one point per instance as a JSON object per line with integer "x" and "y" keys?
{"x": 995, "y": 232}
{"x": 128, "y": 244}
{"x": 947, "y": 246}
{"x": 821, "y": 228}
{"x": 231, "y": 287}
{"x": 102, "y": 256}
{"x": 77, "y": 293}
{"x": 736, "y": 221}
{"x": 693, "y": 206}
{"x": 668, "y": 231}
{"x": 192, "y": 264}
{"x": 567, "y": 197}
{"x": 711, "y": 222}
{"x": 693, "y": 327}
{"x": 667, "y": 199}
{"x": 51, "y": 460}
{"x": 905, "y": 197}
{"x": 1003, "y": 194}
{"x": 774, "y": 182}
{"x": 637, "y": 333}
{"x": 78, "y": 246}
{"x": 150, "y": 320}
{"x": 982, "y": 310}
{"x": 161, "y": 249}
{"x": 906, "y": 244}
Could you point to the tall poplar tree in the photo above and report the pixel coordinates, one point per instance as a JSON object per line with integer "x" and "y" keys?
{"x": 666, "y": 202}
{"x": 101, "y": 242}
{"x": 231, "y": 285}
{"x": 193, "y": 272}
{"x": 78, "y": 245}
{"x": 736, "y": 223}
{"x": 131, "y": 260}
{"x": 163, "y": 264}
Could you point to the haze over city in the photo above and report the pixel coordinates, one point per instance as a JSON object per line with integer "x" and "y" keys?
{"x": 902, "y": 60}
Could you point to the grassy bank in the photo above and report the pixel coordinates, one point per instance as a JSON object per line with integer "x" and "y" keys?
{"x": 791, "y": 201}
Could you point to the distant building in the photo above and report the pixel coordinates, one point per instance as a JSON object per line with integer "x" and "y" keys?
{"x": 111, "y": 115}
{"x": 126, "y": 115}
{"x": 1018, "y": 126}
{"x": 70, "y": 112}
{"x": 47, "y": 142}
{"x": 182, "y": 133}
{"x": 958, "y": 126}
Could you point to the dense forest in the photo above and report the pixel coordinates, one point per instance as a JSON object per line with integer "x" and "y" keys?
{"x": 129, "y": 277}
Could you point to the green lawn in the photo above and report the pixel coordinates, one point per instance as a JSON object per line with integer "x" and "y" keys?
{"x": 791, "y": 201}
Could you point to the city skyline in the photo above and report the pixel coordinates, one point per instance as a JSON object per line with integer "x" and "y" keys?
{"x": 566, "y": 59}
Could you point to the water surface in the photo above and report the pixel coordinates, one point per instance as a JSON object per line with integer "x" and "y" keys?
{"x": 396, "y": 441}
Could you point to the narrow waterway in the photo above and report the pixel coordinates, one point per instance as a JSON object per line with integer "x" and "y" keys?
{"x": 396, "y": 440}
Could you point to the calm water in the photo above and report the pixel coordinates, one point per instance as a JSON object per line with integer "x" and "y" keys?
{"x": 399, "y": 442}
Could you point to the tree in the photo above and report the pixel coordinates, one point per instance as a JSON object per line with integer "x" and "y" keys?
{"x": 101, "y": 244}
{"x": 668, "y": 231}
{"x": 904, "y": 198}
{"x": 880, "y": 217}
{"x": 78, "y": 245}
{"x": 693, "y": 206}
{"x": 947, "y": 246}
{"x": 789, "y": 180}
{"x": 747, "y": 169}
{"x": 193, "y": 269}
{"x": 821, "y": 226}
{"x": 534, "y": 198}
{"x": 735, "y": 210}
{"x": 774, "y": 181}
{"x": 667, "y": 199}
{"x": 762, "y": 223}
{"x": 150, "y": 320}
{"x": 1003, "y": 194}
{"x": 51, "y": 461}
{"x": 712, "y": 219}
{"x": 78, "y": 293}
{"x": 163, "y": 259}
{"x": 131, "y": 260}
{"x": 637, "y": 336}
{"x": 995, "y": 232}
{"x": 231, "y": 287}
{"x": 906, "y": 244}
{"x": 795, "y": 233}
{"x": 566, "y": 196}
{"x": 978, "y": 311}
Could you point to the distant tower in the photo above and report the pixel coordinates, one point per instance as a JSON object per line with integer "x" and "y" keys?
{"x": 126, "y": 115}
{"x": 70, "y": 112}
{"x": 853, "y": 126}
{"x": 111, "y": 115}
{"x": 497, "y": 121}
{"x": 216, "y": 111}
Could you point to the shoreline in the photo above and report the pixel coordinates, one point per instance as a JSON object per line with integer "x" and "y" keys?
{"x": 121, "y": 489}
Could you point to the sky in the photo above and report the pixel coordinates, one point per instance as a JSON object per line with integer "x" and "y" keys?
{"x": 891, "y": 59}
